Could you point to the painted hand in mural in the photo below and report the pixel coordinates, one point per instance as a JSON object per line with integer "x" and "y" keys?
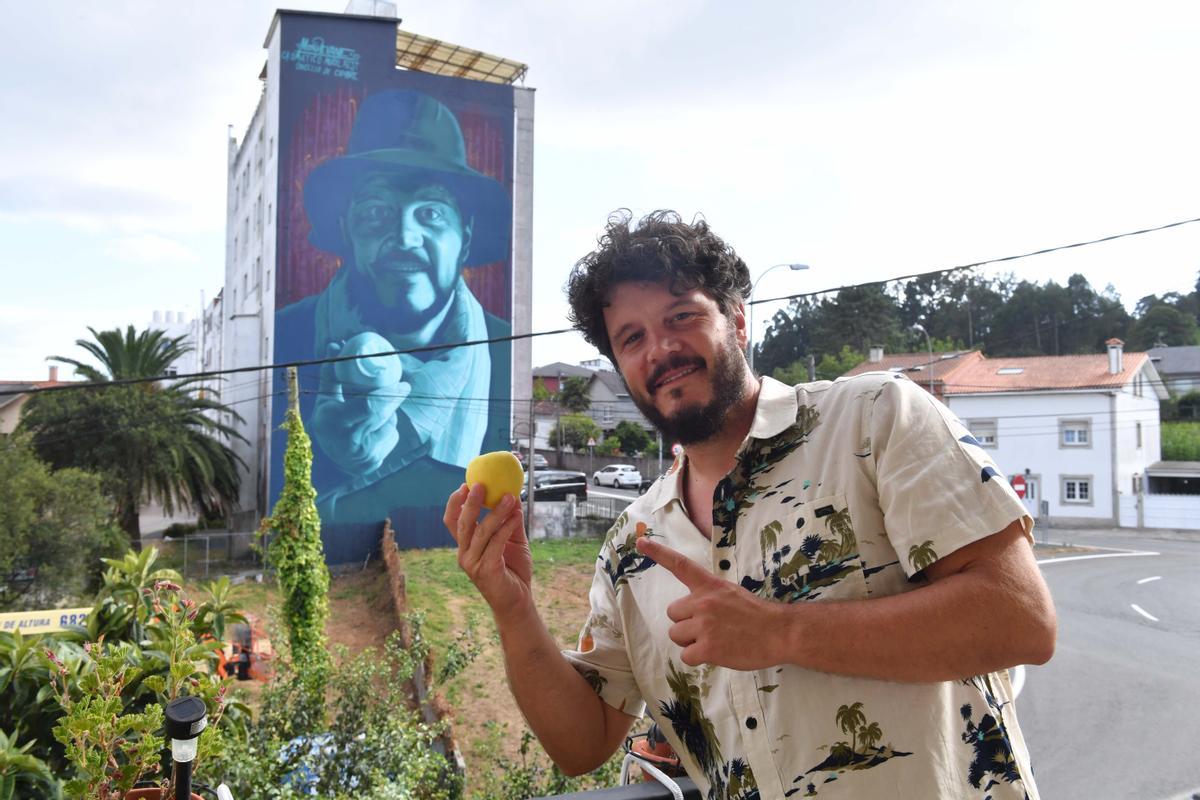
{"x": 494, "y": 552}
{"x": 355, "y": 415}
{"x": 718, "y": 622}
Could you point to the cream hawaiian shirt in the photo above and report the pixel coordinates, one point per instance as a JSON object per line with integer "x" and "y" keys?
{"x": 843, "y": 490}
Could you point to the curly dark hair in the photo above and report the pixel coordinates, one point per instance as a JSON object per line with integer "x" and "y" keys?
{"x": 660, "y": 247}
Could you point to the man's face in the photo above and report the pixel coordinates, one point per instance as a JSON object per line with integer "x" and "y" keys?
{"x": 410, "y": 240}
{"x": 680, "y": 357}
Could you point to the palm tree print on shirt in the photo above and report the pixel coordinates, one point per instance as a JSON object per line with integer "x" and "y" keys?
{"x": 737, "y": 491}
{"x": 819, "y": 563}
{"x": 732, "y": 780}
{"x": 922, "y": 555}
{"x": 860, "y": 753}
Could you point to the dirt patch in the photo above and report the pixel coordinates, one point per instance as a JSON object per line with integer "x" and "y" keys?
{"x": 485, "y": 716}
{"x": 360, "y": 609}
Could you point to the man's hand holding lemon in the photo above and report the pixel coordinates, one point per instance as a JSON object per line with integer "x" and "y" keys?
{"x": 494, "y": 551}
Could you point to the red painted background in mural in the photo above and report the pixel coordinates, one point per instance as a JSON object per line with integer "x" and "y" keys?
{"x": 322, "y": 134}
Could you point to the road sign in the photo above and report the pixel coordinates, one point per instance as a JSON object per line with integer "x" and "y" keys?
{"x": 1018, "y": 484}
{"x": 591, "y": 441}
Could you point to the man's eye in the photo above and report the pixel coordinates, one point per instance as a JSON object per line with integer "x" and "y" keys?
{"x": 374, "y": 214}
{"x": 682, "y": 315}
{"x": 631, "y": 339}
{"x": 432, "y": 214}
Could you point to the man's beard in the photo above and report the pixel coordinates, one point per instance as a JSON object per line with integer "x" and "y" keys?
{"x": 696, "y": 423}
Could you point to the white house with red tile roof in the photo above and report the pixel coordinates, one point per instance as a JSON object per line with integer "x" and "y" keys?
{"x": 16, "y": 394}
{"x": 1081, "y": 429}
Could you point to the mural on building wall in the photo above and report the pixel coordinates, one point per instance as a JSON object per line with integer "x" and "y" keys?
{"x": 394, "y": 220}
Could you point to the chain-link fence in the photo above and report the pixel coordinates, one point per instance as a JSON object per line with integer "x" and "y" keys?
{"x": 210, "y": 554}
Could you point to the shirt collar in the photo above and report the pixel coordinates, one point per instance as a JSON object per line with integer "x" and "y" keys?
{"x": 776, "y": 409}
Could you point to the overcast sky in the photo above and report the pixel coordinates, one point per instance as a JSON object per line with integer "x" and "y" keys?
{"x": 866, "y": 139}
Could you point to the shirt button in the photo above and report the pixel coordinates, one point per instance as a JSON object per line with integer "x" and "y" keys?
{"x": 751, "y": 723}
{"x": 724, "y": 563}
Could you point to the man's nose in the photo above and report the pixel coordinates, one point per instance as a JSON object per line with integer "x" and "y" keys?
{"x": 411, "y": 233}
{"x": 662, "y": 345}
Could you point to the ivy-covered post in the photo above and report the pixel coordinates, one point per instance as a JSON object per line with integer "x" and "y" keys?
{"x": 295, "y": 551}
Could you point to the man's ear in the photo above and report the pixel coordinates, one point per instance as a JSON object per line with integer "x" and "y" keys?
{"x": 465, "y": 252}
{"x": 738, "y": 318}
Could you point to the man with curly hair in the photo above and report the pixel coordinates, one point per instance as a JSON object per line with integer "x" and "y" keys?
{"x": 821, "y": 597}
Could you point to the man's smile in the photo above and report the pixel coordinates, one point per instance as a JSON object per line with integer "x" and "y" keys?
{"x": 672, "y": 374}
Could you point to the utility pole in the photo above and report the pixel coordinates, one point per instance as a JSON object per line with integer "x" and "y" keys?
{"x": 812, "y": 367}
{"x": 529, "y": 472}
{"x": 558, "y": 425}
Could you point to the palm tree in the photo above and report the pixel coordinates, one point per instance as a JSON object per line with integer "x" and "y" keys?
{"x": 154, "y": 440}
{"x": 870, "y": 735}
{"x": 849, "y": 718}
{"x": 147, "y": 354}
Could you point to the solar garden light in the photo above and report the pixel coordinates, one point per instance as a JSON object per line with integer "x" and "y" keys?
{"x": 186, "y": 718}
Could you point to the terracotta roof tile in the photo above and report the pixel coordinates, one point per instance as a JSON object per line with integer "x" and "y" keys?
{"x": 1043, "y": 372}
{"x": 917, "y": 366}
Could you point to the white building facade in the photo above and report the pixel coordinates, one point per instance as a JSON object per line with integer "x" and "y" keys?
{"x": 1080, "y": 435}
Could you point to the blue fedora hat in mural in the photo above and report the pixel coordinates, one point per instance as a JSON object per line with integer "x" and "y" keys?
{"x": 409, "y": 132}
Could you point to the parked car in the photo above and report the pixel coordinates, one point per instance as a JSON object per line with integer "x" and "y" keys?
{"x": 556, "y": 484}
{"x": 539, "y": 460}
{"x": 619, "y": 476}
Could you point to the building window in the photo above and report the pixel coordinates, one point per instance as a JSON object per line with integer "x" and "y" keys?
{"x": 1077, "y": 490}
{"x": 1137, "y": 386}
{"x": 1139, "y": 435}
{"x": 984, "y": 431}
{"x": 1074, "y": 433}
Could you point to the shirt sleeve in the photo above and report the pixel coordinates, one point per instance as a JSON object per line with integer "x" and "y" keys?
{"x": 938, "y": 488}
{"x": 601, "y": 655}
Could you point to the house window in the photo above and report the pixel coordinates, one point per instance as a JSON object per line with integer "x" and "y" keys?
{"x": 1139, "y": 435}
{"x": 1074, "y": 433}
{"x": 984, "y": 431}
{"x": 1077, "y": 490}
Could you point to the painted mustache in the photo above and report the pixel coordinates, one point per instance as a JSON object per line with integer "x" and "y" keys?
{"x": 676, "y": 363}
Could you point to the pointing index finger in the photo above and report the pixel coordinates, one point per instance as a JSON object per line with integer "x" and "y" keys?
{"x": 689, "y": 573}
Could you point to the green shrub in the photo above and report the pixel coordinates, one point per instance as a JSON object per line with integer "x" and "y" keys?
{"x": 375, "y": 746}
{"x": 1181, "y": 441}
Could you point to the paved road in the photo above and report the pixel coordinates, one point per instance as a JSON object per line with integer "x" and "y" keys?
{"x": 1116, "y": 712}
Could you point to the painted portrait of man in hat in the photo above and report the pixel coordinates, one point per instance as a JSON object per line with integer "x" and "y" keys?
{"x": 407, "y": 216}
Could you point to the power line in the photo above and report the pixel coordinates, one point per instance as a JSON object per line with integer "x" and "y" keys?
{"x": 264, "y": 367}
{"x": 555, "y": 332}
{"x": 972, "y": 265}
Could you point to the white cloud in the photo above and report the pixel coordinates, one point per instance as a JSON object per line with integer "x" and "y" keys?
{"x": 150, "y": 249}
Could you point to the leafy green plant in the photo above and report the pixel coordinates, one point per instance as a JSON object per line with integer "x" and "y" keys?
{"x": 532, "y": 774}
{"x": 375, "y": 745}
{"x": 219, "y": 609}
{"x": 295, "y": 548}
{"x": 110, "y": 748}
{"x": 152, "y": 645}
{"x": 22, "y": 774}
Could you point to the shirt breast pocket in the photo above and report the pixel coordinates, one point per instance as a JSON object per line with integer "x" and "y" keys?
{"x": 810, "y": 552}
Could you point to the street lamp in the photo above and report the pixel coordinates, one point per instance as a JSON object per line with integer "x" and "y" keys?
{"x": 919, "y": 328}
{"x": 750, "y": 334}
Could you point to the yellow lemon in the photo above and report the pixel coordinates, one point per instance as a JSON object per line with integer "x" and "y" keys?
{"x": 499, "y": 472}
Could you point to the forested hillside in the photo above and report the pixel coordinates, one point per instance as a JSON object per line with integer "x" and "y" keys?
{"x": 1000, "y": 315}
